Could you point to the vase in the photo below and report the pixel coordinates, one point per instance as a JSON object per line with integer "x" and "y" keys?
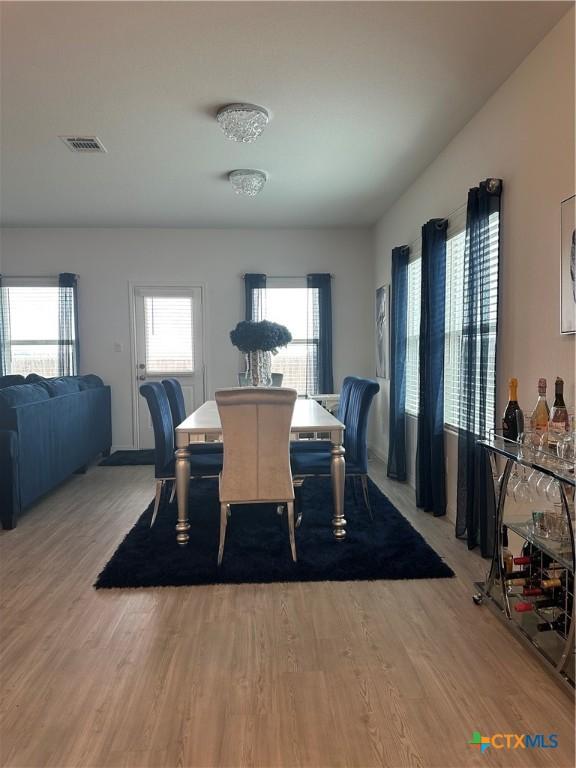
{"x": 259, "y": 368}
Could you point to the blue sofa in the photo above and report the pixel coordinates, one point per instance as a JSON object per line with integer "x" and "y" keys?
{"x": 49, "y": 429}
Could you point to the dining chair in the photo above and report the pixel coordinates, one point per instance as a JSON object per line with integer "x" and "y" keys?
{"x": 203, "y": 463}
{"x": 355, "y": 402}
{"x": 256, "y": 435}
{"x": 244, "y": 379}
{"x": 176, "y": 400}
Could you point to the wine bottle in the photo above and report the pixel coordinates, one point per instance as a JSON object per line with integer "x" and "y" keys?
{"x": 531, "y": 591}
{"x": 541, "y": 413}
{"x": 509, "y": 421}
{"x": 524, "y": 559}
{"x": 507, "y": 560}
{"x": 550, "y": 583}
{"x": 525, "y": 607}
{"x": 559, "y": 419}
{"x": 518, "y": 574}
{"x": 558, "y": 625}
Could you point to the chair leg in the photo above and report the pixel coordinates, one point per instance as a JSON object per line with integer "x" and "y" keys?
{"x": 224, "y": 512}
{"x": 364, "y": 479}
{"x": 290, "y": 507}
{"x": 173, "y": 494}
{"x": 159, "y": 489}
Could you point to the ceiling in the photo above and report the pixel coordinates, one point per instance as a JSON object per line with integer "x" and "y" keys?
{"x": 363, "y": 96}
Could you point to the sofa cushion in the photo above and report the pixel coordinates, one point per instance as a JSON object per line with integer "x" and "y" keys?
{"x": 90, "y": 381}
{"x": 21, "y": 394}
{"x": 61, "y": 385}
{"x": 12, "y": 380}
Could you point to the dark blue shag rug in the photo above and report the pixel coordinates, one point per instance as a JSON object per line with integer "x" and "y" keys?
{"x": 257, "y": 547}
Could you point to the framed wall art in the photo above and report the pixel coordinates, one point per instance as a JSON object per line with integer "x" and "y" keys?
{"x": 568, "y": 265}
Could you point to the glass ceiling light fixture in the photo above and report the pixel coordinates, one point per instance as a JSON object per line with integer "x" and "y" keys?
{"x": 247, "y": 181}
{"x": 242, "y": 122}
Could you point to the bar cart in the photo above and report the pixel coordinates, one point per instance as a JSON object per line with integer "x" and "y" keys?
{"x": 533, "y": 592}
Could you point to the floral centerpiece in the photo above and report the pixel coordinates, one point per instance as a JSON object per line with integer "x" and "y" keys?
{"x": 259, "y": 341}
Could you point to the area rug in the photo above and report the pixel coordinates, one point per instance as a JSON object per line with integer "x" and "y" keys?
{"x": 257, "y": 547}
{"x": 128, "y": 459}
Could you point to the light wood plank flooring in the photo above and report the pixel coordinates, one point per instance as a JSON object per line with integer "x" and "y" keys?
{"x": 332, "y": 674}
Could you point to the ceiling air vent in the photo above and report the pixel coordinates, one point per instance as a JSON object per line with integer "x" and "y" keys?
{"x": 83, "y": 143}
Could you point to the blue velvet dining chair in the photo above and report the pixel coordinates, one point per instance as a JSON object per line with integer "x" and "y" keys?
{"x": 355, "y": 401}
{"x": 175, "y": 399}
{"x": 204, "y": 462}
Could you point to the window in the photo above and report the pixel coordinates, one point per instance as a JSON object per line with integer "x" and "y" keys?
{"x": 168, "y": 333}
{"x": 33, "y": 329}
{"x": 296, "y": 307}
{"x": 413, "y": 334}
{"x": 456, "y": 335}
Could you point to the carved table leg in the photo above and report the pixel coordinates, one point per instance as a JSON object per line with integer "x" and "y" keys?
{"x": 182, "y": 488}
{"x": 338, "y": 473}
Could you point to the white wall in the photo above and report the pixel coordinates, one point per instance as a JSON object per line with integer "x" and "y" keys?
{"x": 524, "y": 134}
{"x": 106, "y": 259}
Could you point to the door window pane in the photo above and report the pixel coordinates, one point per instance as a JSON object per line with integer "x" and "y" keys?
{"x": 168, "y": 327}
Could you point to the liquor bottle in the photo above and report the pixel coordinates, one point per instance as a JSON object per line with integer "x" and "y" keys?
{"x": 509, "y": 421}
{"x": 541, "y": 413}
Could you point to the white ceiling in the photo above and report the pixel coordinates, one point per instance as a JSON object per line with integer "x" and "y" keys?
{"x": 363, "y": 96}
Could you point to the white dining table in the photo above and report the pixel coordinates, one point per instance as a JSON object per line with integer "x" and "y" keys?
{"x": 309, "y": 417}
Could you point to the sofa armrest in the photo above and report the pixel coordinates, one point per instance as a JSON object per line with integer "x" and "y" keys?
{"x": 9, "y": 479}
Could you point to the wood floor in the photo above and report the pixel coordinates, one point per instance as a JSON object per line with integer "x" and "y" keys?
{"x": 321, "y": 674}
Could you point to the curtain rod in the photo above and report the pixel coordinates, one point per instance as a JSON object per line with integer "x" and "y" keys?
{"x": 285, "y": 277}
{"x": 31, "y": 277}
{"x": 450, "y": 215}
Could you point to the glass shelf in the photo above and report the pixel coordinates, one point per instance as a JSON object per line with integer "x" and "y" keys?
{"x": 559, "y": 551}
{"x": 535, "y": 458}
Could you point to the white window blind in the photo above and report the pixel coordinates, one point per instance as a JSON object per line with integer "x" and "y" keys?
{"x": 455, "y": 384}
{"x": 413, "y": 332}
{"x": 168, "y": 326}
{"x": 295, "y": 306}
{"x": 33, "y": 329}
{"x": 455, "y": 242}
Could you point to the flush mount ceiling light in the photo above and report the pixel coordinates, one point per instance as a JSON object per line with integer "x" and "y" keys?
{"x": 242, "y": 122}
{"x": 247, "y": 181}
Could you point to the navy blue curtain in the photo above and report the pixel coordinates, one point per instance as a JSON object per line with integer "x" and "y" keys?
{"x": 4, "y": 331}
{"x": 254, "y": 296}
{"x": 476, "y": 506}
{"x": 397, "y": 425}
{"x": 430, "y": 464}
{"x": 68, "y": 341}
{"x": 324, "y": 332}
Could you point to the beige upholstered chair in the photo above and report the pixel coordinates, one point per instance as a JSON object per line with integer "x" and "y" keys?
{"x": 256, "y": 433}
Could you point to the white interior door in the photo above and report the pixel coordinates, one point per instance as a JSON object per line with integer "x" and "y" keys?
{"x": 168, "y": 344}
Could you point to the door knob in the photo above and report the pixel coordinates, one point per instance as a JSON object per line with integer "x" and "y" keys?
{"x": 142, "y": 377}
{"x": 141, "y": 366}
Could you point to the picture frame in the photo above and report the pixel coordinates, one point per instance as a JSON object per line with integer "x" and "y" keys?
{"x": 383, "y": 332}
{"x": 568, "y": 265}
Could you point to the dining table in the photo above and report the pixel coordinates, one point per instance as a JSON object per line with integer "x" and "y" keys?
{"x": 310, "y": 421}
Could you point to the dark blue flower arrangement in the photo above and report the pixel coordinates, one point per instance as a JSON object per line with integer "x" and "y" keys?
{"x": 264, "y": 335}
